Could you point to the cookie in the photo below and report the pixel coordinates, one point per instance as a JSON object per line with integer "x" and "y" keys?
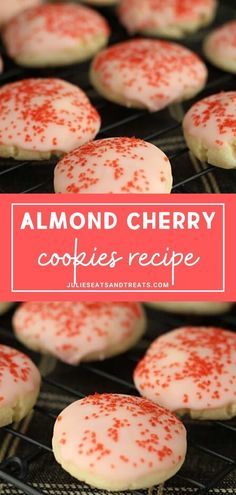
{"x": 191, "y": 370}
{"x": 210, "y": 129}
{"x": 114, "y": 165}
{"x": 168, "y": 18}
{"x": 79, "y": 331}
{"x": 19, "y": 385}
{"x": 44, "y": 117}
{"x": 220, "y": 47}
{"x": 55, "y": 34}
{"x": 189, "y": 307}
{"x": 10, "y": 8}
{"x": 145, "y": 73}
{"x": 119, "y": 442}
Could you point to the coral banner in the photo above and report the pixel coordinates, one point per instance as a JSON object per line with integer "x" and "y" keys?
{"x": 116, "y": 247}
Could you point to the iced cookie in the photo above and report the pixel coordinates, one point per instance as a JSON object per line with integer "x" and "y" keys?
{"x": 119, "y": 442}
{"x": 44, "y": 117}
{"x": 10, "y": 8}
{"x": 145, "y": 73}
{"x": 210, "y": 129}
{"x": 115, "y": 165}
{"x": 79, "y": 331}
{"x": 189, "y": 307}
{"x": 170, "y": 18}
{"x": 19, "y": 385}
{"x": 55, "y": 34}
{"x": 220, "y": 47}
{"x": 191, "y": 370}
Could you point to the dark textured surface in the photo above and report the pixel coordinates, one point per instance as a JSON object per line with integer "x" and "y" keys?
{"x": 116, "y": 121}
{"x": 211, "y": 445}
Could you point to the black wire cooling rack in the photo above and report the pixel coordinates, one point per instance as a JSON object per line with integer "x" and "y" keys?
{"x": 161, "y": 128}
{"x": 30, "y": 468}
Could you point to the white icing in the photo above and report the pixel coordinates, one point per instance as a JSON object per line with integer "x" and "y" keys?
{"x": 153, "y": 73}
{"x": 115, "y": 436}
{"x": 18, "y": 376}
{"x": 46, "y": 114}
{"x": 212, "y": 119}
{"x": 73, "y": 330}
{"x": 117, "y": 165}
{"x": 190, "y": 368}
{"x": 138, "y": 15}
{"x": 10, "y": 8}
{"x": 54, "y": 28}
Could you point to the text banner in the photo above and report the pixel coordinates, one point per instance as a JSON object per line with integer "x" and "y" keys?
{"x": 117, "y": 247}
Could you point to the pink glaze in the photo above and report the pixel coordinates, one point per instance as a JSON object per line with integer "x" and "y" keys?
{"x": 18, "y": 376}
{"x": 112, "y": 436}
{"x": 192, "y": 367}
{"x": 115, "y": 165}
{"x": 153, "y": 73}
{"x": 10, "y": 8}
{"x": 73, "y": 330}
{"x": 222, "y": 42}
{"x": 53, "y": 28}
{"x": 213, "y": 119}
{"x": 46, "y": 114}
{"x": 138, "y": 15}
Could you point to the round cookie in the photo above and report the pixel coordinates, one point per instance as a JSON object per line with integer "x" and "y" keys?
{"x": 145, "y": 73}
{"x": 190, "y": 307}
{"x": 170, "y": 18}
{"x": 119, "y": 442}
{"x": 220, "y": 47}
{"x": 79, "y": 331}
{"x": 191, "y": 370}
{"x": 55, "y": 34}
{"x": 210, "y": 129}
{"x": 4, "y": 306}
{"x": 19, "y": 385}
{"x": 114, "y": 165}
{"x": 10, "y": 8}
{"x": 44, "y": 117}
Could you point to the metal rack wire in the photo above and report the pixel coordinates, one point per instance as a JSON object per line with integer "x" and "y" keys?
{"x": 206, "y": 440}
{"x": 25, "y": 177}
